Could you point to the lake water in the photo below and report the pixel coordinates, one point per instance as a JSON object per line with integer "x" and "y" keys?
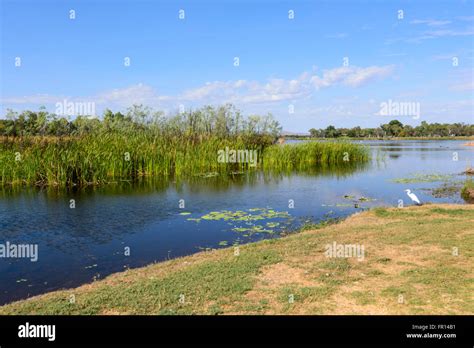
{"x": 92, "y": 240}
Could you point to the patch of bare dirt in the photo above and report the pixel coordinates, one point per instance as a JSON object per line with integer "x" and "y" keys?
{"x": 281, "y": 274}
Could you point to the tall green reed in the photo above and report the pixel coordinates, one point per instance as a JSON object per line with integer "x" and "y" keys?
{"x": 314, "y": 154}
{"x": 107, "y": 157}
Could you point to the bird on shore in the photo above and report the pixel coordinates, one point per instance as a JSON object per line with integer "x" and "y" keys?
{"x": 413, "y": 197}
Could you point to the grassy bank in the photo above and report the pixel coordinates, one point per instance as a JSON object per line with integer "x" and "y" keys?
{"x": 418, "y": 260}
{"x": 109, "y": 157}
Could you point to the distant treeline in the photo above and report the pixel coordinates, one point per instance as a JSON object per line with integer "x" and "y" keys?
{"x": 396, "y": 129}
{"x": 221, "y": 121}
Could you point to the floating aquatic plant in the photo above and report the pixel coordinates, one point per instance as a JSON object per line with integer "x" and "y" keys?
{"x": 240, "y": 215}
{"x": 360, "y": 199}
{"x": 247, "y": 218}
{"x": 420, "y": 177}
{"x": 365, "y": 199}
{"x": 447, "y": 189}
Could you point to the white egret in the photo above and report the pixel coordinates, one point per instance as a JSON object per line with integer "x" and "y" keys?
{"x": 413, "y": 197}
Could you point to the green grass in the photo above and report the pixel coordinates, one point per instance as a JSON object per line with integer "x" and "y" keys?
{"x": 223, "y": 281}
{"x": 112, "y": 157}
{"x": 429, "y": 211}
{"x": 409, "y": 252}
{"x": 313, "y": 154}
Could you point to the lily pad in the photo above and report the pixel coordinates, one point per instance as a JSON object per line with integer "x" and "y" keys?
{"x": 243, "y": 221}
{"x": 419, "y": 177}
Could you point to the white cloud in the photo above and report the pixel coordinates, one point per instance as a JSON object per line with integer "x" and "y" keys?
{"x": 430, "y": 22}
{"x": 237, "y": 91}
{"x": 352, "y": 76}
{"x": 435, "y": 34}
{"x": 275, "y": 90}
{"x": 435, "y": 29}
{"x": 243, "y": 91}
{"x": 449, "y": 32}
{"x": 135, "y": 94}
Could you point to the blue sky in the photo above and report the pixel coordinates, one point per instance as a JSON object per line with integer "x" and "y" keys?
{"x": 284, "y": 63}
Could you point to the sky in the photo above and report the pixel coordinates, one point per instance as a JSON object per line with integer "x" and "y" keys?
{"x": 309, "y": 63}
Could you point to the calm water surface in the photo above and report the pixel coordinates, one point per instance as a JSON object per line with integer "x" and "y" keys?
{"x": 77, "y": 245}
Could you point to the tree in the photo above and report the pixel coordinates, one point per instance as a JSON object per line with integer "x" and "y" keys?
{"x": 393, "y": 128}
{"x": 314, "y": 132}
{"x": 332, "y": 132}
{"x": 354, "y": 132}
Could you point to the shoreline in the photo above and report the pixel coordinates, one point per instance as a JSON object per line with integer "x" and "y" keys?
{"x": 399, "y": 261}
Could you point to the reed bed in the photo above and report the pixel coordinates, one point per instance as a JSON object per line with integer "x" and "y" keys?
{"x": 103, "y": 158}
{"x": 111, "y": 157}
{"x": 313, "y": 154}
